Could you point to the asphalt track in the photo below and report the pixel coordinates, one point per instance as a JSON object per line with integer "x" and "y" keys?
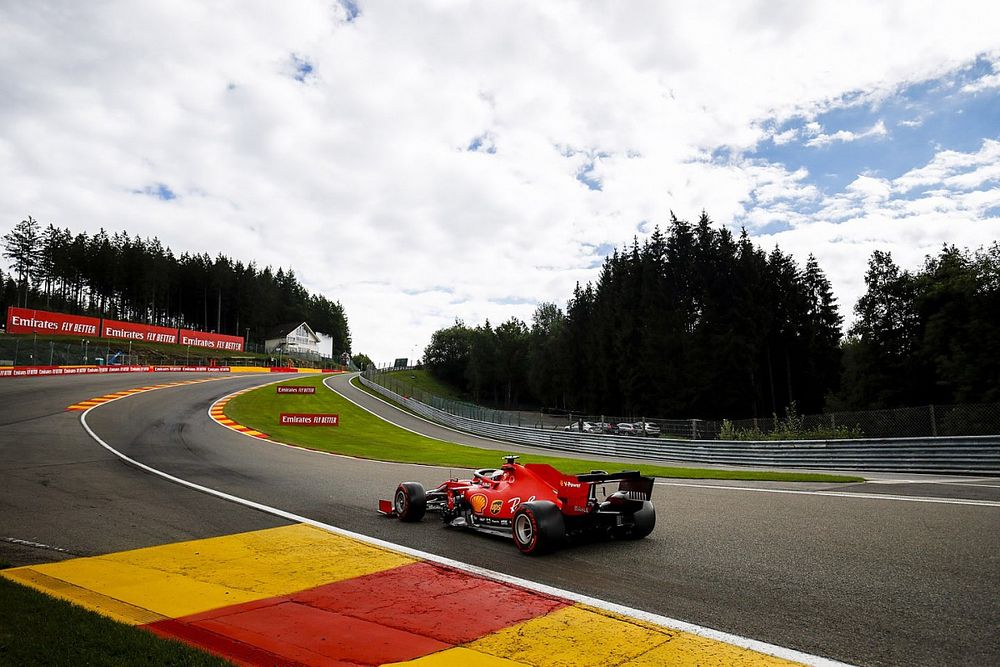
{"x": 868, "y": 580}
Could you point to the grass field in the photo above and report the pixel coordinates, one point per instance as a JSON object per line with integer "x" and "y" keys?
{"x": 36, "y": 629}
{"x": 363, "y": 435}
{"x": 425, "y": 381}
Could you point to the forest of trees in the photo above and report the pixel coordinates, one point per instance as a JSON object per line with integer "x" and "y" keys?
{"x": 139, "y": 280}
{"x": 696, "y": 323}
{"x": 925, "y": 337}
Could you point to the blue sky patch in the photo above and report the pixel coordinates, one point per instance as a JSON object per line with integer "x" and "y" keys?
{"x": 513, "y": 301}
{"x": 159, "y": 190}
{"x": 482, "y": 144}
{"x": 303, "y": 68}
{"x": 885, "y": 138}
{"x": 351, "y": 9}
{"x": 877, "y": 137}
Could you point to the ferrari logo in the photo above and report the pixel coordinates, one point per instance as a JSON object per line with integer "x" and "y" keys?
{"x": 496, "y": 507}
{"x": 478, "y": 503}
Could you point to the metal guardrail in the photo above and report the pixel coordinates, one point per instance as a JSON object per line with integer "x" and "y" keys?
{"x": 965, "y": 455}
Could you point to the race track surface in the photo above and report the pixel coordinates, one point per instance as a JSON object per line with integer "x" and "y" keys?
{"x": 868, "y": 580}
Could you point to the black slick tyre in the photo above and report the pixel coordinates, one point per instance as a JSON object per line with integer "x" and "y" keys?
{"x": 538, "y": 528}
{"x": 410, "y": 501}
{"x": 642, "y": 524}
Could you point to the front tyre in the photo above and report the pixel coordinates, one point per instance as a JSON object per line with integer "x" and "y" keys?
{"x": 538, "y": 528}
{"x": 643, "y": 520}
{"x": 410, "y": 501}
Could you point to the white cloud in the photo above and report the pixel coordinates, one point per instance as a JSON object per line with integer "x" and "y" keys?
{"x": 878, "y": 214}
{"x": 846, "y": 136}
{"x": 785, "y": 137}
{"x": 359, "y": 177}
{"x": 870, "y": 188}
{"x": 986, "y": 82}
{"x": 955, "y": 169}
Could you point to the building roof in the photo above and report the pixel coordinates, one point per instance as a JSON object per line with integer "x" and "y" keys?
{"x": 282, "y": 330}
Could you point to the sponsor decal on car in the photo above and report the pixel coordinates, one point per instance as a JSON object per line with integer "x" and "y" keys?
{"x": 496, "y": 507}
{"x": 572, "y": 485}
{"x": 478, "y": 503}
{"x": 490, "y": 521}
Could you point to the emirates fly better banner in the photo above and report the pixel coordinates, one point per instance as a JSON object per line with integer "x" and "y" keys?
{"x": 26, "y": 321}
{"x": 139, "y": 332}
{"x": 211, "y": 341}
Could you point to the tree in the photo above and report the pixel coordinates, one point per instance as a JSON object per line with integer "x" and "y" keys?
{"x": 512, "y": 360}
{"x": 127, "y": 277}
{"x": 886, "y": 334}
{"x": 547, "y": 364}
{"x": 691, "y": 322}
{"x": 447, "y": 355}
{"x": 22, "y": 245}
{"x": 481, "y": 370}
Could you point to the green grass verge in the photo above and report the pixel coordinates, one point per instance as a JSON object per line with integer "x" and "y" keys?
{"x": 425, "y": 381}
{"x": 36, "y": 629}
{"x": 366, "y": 436}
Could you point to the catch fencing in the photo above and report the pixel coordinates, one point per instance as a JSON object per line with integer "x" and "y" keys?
{"x": 961, "y": 455}
{"x": 918, "y": 422}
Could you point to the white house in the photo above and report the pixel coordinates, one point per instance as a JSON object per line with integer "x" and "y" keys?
{"x": 295, "y": 338}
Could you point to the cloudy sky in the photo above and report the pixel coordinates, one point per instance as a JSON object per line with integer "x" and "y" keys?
{"x": 426, "y": 161}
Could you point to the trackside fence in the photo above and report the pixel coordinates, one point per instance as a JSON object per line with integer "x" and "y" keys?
{"x": 953, "y": 455}
{"x": 914, "y": 422}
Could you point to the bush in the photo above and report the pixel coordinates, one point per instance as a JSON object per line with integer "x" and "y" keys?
{"x": 792, "y": 427}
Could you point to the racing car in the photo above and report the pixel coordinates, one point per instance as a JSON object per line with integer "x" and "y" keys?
{"x": 539, "y": 507}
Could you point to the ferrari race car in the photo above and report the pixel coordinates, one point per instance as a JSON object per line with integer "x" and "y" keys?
{"x": 541, "y": 508}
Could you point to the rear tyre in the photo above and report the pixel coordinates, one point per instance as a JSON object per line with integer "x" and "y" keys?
{"x": 410, "y": 501}
{"x": 538, "y": 528}
{"x": 643, "y": 522}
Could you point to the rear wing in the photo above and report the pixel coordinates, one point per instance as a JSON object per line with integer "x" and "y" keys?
{"x": 628, "y": 481}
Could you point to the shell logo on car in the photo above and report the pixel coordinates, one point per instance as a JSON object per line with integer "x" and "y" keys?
{"x": 478, "y": 503}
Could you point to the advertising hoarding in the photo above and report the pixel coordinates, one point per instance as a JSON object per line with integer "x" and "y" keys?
{"x": 304, "y": 419}
{"x": 210, "y": 340}
{"x": 27, "y": 320}
{"x": 145, "y": 333}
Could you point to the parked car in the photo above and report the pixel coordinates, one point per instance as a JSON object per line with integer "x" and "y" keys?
{"x": 627, "y": 429}
{"x": 605, "y": 427}
{"x": 647, "y": 428}
{"x": 588, "y": 427}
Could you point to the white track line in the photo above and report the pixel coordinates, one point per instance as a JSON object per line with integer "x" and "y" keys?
{"x": 841, "y": 494}
{"x": 37, "y": 545}
{"x": 683, "y": 626}
{"x": 502, "y": 443}
{"x": 938, "y": 482}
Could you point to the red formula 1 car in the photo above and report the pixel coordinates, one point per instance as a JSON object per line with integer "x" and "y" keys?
{"x": 537, "y": 505}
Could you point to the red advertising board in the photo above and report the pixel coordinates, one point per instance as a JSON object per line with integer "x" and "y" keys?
{"x": 295, "y": 389}
{"x": 139, "y": 332}
{"x": 297, "y": 419}
{"x": 25, "y": 321}
{"x": 210, "y": 340}
{"x": 191, "y": 369}
{"x": 37, "y": 371}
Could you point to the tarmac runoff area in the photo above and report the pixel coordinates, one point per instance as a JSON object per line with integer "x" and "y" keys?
{"x": 299, "y": 595}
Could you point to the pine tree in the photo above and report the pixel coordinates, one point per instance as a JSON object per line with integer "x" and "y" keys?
{"x": 22, "y": 245}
